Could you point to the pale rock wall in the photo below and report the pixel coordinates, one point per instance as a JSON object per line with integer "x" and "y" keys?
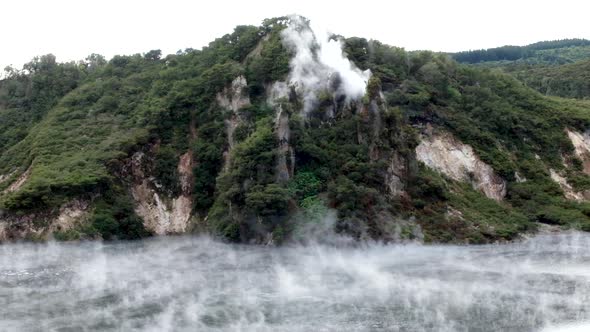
{"x": 568, "y": 190}
{"x": 396, "y": 172}
{"x": 42, "y": 224}
{"x": 170, "y": 216}
{"x": 581, "y": 143}
{"x": 447, "y": 155}
{"x": 3, "y": 231}
{"x": 69, "y": 214}
{"x": 286, "y": 158}
{"x": 519, "y": 178}
{"x": 5, "y": 177}
{"x": 18, "y": 183}
{"x": 233, "y": 98}
{"x": 375, "y": 118}
{"x": 276, "y": 94}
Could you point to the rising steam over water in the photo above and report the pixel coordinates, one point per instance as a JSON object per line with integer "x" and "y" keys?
{"x": 197, "y": 284}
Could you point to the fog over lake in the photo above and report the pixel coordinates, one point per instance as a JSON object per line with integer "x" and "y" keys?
{"x": 198, "y": 284}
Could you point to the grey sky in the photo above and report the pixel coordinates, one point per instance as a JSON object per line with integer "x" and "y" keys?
{"x": 72, "y": 29}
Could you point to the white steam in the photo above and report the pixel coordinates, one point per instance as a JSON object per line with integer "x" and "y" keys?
{"x": 320, "y": 65}
{"x": 197, "y": 284}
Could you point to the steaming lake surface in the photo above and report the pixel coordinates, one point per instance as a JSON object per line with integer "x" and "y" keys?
{"x": 197, "y": 284}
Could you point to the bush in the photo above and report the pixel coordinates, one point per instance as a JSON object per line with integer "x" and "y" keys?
{"x": 166, "y": 170}
{"x": 114, "y": 217}
{"x": 268, "y": 200}
{"x": 305, "y": 184}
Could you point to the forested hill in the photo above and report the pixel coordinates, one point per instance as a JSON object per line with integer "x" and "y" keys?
{"x": 545, "y": 52}
{"x": 554, "y": 68}
{"x": 273, "y": 133}
{"x": 570, "y": 80}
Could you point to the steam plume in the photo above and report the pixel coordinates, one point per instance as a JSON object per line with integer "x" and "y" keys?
{"x": 319, "y": 65}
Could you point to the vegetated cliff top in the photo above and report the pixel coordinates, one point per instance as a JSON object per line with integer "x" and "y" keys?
{"x": 69, "y": 130}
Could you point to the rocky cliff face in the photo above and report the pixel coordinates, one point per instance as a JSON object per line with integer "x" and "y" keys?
{"x": 162, "y": 215}
{"x": 314, "y": 129}
{"x": 286, "y": 157}
{"x": 397, "y": 173}
{"x": 6, "y": 177}
{"x": 18, "y": 183}
{"x": 233, "y": 98}
{"x": 41, "y": 225}
{"x": 581, "y": 142}
{"x": 444, "y": 153}
{"x": 568, "y": 191}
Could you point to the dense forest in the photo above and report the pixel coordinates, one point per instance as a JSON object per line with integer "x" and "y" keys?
{"x": 555, "y": 68}
{"x": 266, "y": 169}
{"x": 540, "y": 52}
{"x": 570, "y": 80}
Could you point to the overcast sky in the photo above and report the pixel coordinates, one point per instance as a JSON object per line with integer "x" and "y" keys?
{"x": 72, "y": 29}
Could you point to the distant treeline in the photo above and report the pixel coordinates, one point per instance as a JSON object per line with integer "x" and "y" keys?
{"x": 511, "y": 53}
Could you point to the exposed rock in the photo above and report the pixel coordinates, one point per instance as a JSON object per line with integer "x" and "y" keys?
{"x": 519, "y": 178}
{"x": 286, "y": 158}
{"x": 159, "y": 217}
{"x": 43, "y": 223}
{"x": 375, "y": 115}
{"x": 185, "y": 173}
{"x": 443, "y": 153}
{"x": 233, "y": 98}
{"x": 453, "y": 213}
{"x": 3, "y": 231}
{"x": 230, "y": 128}
{"x": 568, "y": 190}
{"x": 69, "y": 214}
{"x": 396, "y": 171}
{"x": 581, "y": 144}
{"x": 276, "y": 94}
{"x": 16, "y": 185}
{"x": 5, "y": 177}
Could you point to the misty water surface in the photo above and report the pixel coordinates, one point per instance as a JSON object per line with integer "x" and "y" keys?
{"x": 197, "y": 284}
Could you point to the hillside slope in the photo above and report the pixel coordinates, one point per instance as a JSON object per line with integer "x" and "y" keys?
{"x": 554, "y": 52}
{"x": 555, "y": 68}
{"x": 274, "y": 133}
{"x": 569, "y": 81}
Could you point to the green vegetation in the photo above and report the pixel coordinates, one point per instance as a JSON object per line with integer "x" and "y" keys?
{"x": 568, "y": 80}
{"x": 549, "y": 52}
{"x": 73, "y": 128}
{"x": 113, "y": 217}
{"x": 556, "y": 68}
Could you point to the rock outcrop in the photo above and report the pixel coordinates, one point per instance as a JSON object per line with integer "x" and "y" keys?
{"x": 286, "y": 157}
{"x": 568, "y": 191}
{"x": 39, "y": 225}
{"x": 6, "y": 177}
{"x": 233, "y": 98}
{"x": 162, "y": 215}
{"x": 18, "y": 183}
{"x": 396, "y": 173}
{"x": 444, "y": 153}
{"x": 581, "y": 143}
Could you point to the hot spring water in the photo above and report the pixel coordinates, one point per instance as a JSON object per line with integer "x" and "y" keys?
{"x": 197, "y": 284}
